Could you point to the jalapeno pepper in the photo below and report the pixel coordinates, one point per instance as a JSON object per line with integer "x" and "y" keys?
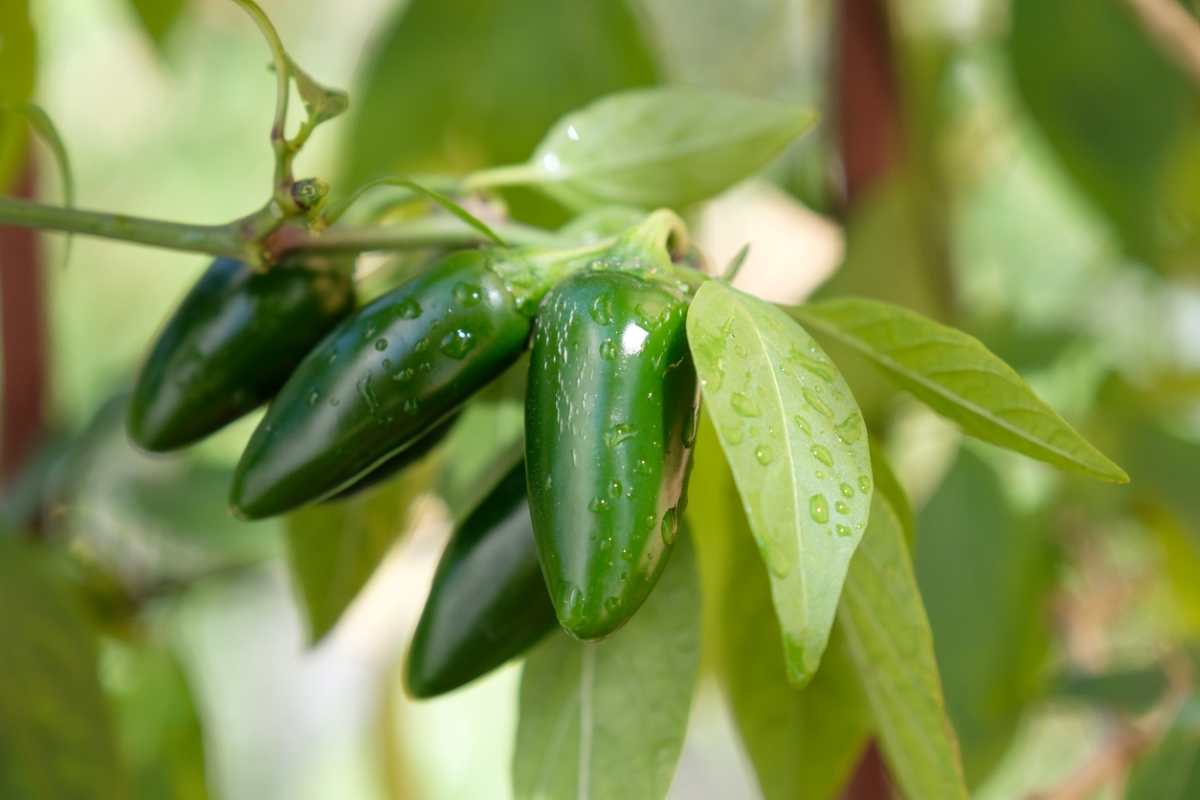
{"x": 405, "y": 458}
{"x": 377, "y": 382}
{"x": 488, "y": 602}
{"x": 230, "y": 346}
{"x": 610, "y": 416}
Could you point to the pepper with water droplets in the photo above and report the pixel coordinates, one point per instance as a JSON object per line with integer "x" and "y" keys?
{"x": 382, "y": 379}
{"x": 610, "y": 418}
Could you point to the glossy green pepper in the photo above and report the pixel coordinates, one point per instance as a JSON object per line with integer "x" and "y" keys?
{"x": 610, "y": 418}
{"x": 378, "y": 381}
{"x": 230, "y": 346}
{"x": 488, "y": 602}
{"x": 405, "y": 458}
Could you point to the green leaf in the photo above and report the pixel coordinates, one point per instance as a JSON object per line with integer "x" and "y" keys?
{"x": 891, "y": 645}
{"x": 1132, "y": 692}
{"x": 159, "y": 729}
{"x": 984, "y": 577}
{"x": 887, "y": 484}
{"x": 463, "y": 84}
{"x": 321, "y": 103}
{"x": 803, "y": 743}
{"x": 158, "y": 16}
{"x": 1108, "y": 100}
{"x": 45, "y": 129}
{"x": 1172, "y": 770}
{"x": 333, "y": 548}
{"x": 956, "y": 376}
{"x": 606, "y": 721}
{"x": 18, "y": 68}
{"x": 56, "y": 738}
{"x": 656, "y": 147}
{"x": 797, "y": 444}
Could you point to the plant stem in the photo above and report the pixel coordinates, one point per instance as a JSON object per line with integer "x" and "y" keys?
{"x": 228, "y": 240}
{"x": 283, "y": 76}
{"x": 292, "y": 240}
{"x": 508, "y": 175}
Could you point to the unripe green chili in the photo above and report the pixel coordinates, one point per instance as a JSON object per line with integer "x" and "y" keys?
{"x": 405, "y": 458}
{"x": 379, "y": 381}
{"x": 488, "y": 602}
{"x": 230, "y": 346}
{"x": 610, "y": 417}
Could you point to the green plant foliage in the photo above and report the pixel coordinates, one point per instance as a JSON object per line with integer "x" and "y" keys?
{"x": 1133, "y": 691}
{"x": 956, "y": 376}
{"x": 798, "y": 447}
{"x": 1172, "y": 770}
{"x": 889, "y": 639}
{"x": 1108, "y": 100}
{"x": 56, "y": 735}
{"x": 18, "y": 68}
{"x": 158, "y": 16}
{"x": 606, "y": 721}
{"x": 803, "y": 742}
{"x": 983, "y": 577}
{"x": 464, "y": 84}
{"x": 159, "y": 729}
{"x": 887, "y": 484}
{"x": 334, "y": 548}
{"x": 657, "y": 147}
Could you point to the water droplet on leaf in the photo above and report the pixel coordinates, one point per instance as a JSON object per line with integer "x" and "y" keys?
{"x": 822, "y": 454}
{"x": 818, "y": 508}
{"x": 743, "y": 405}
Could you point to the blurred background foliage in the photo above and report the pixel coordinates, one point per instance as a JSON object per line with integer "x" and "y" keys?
{"x": 1028, "y": 171}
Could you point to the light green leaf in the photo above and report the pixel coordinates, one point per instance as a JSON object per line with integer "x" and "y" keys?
{"x": 984, "y": 577}
{"x": 1172, "y": 770}
{"x": 320, "y": 102}
{"x": 797, "y": 444}
{"x": 803, "y": 743}
{"x": 159, "y": 728}
{"x": 333, "y": 548}
{"x": 458, "y": 85}
{"x": 891, "y": 645}
{"x": 56, "y": 737}
{"x": 18, "y": 68}
{"x": 956, "y": 376}
{"x": 887, "y": 484}
{"x": 158, "y": 16}
{"x": 606, "y": 721}
{"x": 45, "y": 129}
{"x": 666, "y": 146}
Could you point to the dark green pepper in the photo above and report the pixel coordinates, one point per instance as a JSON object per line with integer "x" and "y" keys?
{"x": 488, "y": 602}
{"x": 230, "y": 345}
{"x": 610, "y": 418}
{"x": 378, "y": 381}
{"x": 405, "y": 458}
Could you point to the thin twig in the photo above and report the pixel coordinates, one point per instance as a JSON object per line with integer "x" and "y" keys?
{"x": 1174, "y": 30}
